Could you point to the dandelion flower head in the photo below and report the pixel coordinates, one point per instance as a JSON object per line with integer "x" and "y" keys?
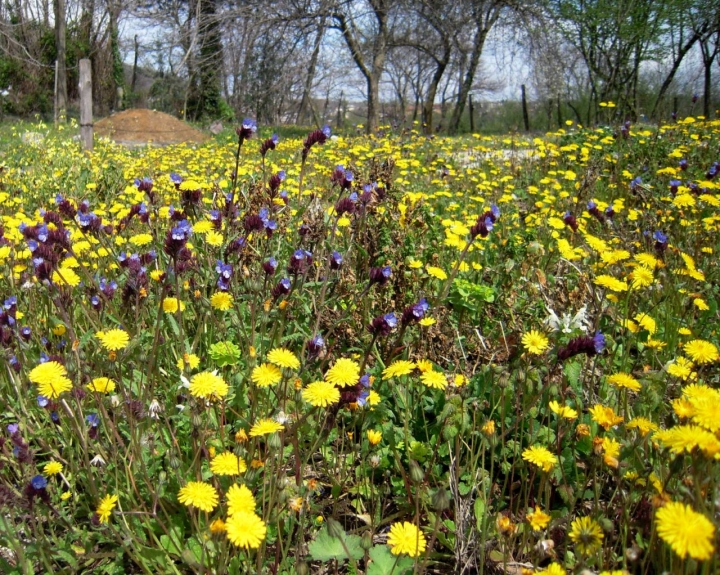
{"x": 199, "y": 494}
{"x": 344, "y": 373}
{"x": 406, "y": 538}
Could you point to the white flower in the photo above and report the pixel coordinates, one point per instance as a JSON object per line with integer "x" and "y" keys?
{"x": 97, "y": 461}
{"x": 114, "y": 400}
{"x": 568, "y": 323}
{"x": 282, "y": 418}
{"x": 154, "y": 409}
{"x": 185, "y": 381}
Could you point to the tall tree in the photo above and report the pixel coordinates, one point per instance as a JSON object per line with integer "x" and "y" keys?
{"x": 614, "y": 37}
{"x": 60, "y": 13}
{"x": 482, "y": 16}
{"x": 368, "y": 39}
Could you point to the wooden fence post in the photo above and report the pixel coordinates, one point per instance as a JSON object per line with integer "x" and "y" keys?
{"x": 86, "y": 107}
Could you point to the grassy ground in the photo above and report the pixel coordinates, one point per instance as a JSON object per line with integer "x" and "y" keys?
{"x": 482, "y": 354}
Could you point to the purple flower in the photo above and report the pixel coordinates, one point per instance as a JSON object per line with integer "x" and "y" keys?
{"x": 658, "y": 236}
{"x": 683, "y": 164}
{"x": 336, "y": 261}
{"x": 570, "y": 221}
{"x": 38, "y": 482}
{"x": 281, "y": 288}
{"x": 589, "y": 345}
{"x": 42, "y": 401}
{"x": 316, "y": 137}
{"x": 270, "y": 266}
{"x": 415, "y": 312}
{"x": 380, "y": 275}
{"x": 674, "y": 184}
{"x": 246, "y": 130}
{"x": 269, "y": 144}
{"x": 315, "y": 345}
{"x": 381, "y": 326}
{"x": 599, "y": 342}
{"x": 93, "y": 420}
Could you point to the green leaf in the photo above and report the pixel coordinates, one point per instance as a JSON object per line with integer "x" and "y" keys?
{"x": 385, "y": 563}
{"x": 572, "y": 372}
{"x": 171, "y": 544}
{"x": 479, "y": 508}
{"x": 68, "y": 557}
{"x": 325, "y": 547}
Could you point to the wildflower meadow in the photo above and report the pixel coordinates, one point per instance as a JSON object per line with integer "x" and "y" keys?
{"x": 382, "y": 354}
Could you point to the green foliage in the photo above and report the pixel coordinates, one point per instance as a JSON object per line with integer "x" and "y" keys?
{"x": 325, "y": 547}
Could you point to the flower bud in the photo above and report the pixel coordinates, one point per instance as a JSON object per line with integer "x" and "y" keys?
{"x": 416, "y": 472}
{"x": 441, "y": 500}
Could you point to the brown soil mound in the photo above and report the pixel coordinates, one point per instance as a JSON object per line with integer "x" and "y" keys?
{"x": 141, "y": 126}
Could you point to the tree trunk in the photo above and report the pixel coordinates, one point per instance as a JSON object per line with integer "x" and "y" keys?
{"x": 526, "y": 117}
{"x": 134, "y": 70}
{"x": 310, "y": 77}
{"x": 677, "y": 60}
{"x": 466, "y": 86}
{"x": 432, "y": 92}
{"x": 60, "y": 38}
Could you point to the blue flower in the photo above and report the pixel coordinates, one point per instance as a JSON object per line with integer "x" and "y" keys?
{"x": 599, "y": 341}
{"x": 38, "y": 482}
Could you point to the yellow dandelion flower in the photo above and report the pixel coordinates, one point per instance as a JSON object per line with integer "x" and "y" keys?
{"x": 562, "y": 410}
{"x": 265, "y": 427}
{"x": 586, "y": 534}
{"x": 686, "y": 531}
{"x": 406, "y": 538}
{"x": 436, "y": 272}
{"x": 113, "y": 339}
{"x": 701, "y": 351}
{"x": 141, "y": 239}
{"x": 66, "y": 276}
{"x": 105, "y": 509}
{"x": 374, "y": 437}
{"x": 172, "y": 305}
{"x": 283, "y": 358}
{"x": 221, "y": 301}
{"x": 208, "y": 384}
{"x": 227, "y": 463}
{"x": 343, "y": 373}
{"x": 240, "y": 500}
{"x": 538, "y": 519}
{"x": 246, "y": 530}
{"x": 51, "y": 379}
{"x": 535, "y": 342}
{"x": 265, "y": 375}
{"x": 624, "y": 380}
{"x": 434, "y": 379}
{"x": 643, "y": 425}
{"x": 321, "y": 394}
{"x": 611, "y": 283}
{"x": 199, "y": 494}
{"x": 399, "y": 368}
{"x": 605, "y": 416}
{"x": 540, "y": 456}
{"x": 52, "y": 468}
{"x": 641, "y": 277}
{"x": 102, "y": 385}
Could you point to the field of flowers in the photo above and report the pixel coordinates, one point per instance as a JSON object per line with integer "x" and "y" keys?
{"x": 382, "y": 355}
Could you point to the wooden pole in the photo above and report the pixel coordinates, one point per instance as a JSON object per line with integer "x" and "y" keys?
{"x": 526, "y": 118}
{"x": 86, "y": 109}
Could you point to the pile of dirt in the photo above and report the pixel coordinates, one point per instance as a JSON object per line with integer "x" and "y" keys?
{"x": 139, "y": 126}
